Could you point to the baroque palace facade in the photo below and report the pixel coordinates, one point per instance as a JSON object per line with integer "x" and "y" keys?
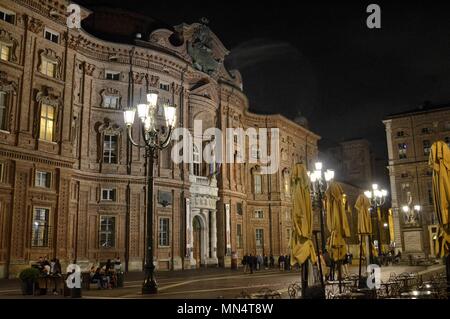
{"x": 71, "y": 185}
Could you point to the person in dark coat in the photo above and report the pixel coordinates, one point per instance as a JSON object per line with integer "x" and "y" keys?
{"x": 254, "y": 261}
{"x": 266, "y": 261}
{"x": 250, "y": 263}
{"x": 272, "y": 261}
{"x": 281, "y": 262}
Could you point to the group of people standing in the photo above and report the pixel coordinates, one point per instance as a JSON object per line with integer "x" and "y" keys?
{"x": 49, "y": 268}
{"x": 257, "y": 262}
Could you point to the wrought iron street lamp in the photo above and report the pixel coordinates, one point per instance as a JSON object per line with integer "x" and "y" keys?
{"x": 319, "y": 180}
{"x": 377, "y": 199}
{"x": 155, "y": 139}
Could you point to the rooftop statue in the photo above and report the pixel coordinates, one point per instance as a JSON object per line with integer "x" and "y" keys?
{"x": 200, "y": 50}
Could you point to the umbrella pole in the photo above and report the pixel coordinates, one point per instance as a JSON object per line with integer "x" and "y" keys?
{"x": 319, "y": 261}
{"x": 304, "y": 278}
{"x": 447, "y": 267}
{"x": 360, "y": 259}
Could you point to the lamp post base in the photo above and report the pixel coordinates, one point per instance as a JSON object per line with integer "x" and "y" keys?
{"x": 149, "y": 287}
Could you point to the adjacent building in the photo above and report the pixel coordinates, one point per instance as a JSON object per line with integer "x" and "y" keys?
{"x": 409, "y": 138}
{"x": 71, "y": 185}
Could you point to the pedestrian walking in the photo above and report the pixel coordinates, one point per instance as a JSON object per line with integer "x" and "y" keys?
{"x": 281, "y": 262}
{"x": 272, "y": 261}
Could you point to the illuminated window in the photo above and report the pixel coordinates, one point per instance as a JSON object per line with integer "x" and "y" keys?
{"x": 402, "y": 150}
{"x": 5, "y": 52}
{"x": 40, "y": 227}
{"x": 287, "y": 184}
{"x": 47, "y": 123}
{"x": 48, "y": 67}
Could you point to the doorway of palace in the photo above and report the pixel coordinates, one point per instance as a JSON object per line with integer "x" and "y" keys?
{"x": 197, "y": 243}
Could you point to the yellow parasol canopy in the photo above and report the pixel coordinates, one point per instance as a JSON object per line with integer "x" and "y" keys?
{"x": 302, "y": 246}
{"x": 439, "y": 160}
{"x": 364, "y": 222}
{"x": 337, "y": 222}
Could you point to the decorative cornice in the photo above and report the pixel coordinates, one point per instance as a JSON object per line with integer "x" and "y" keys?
{"x": 33, "y": 24}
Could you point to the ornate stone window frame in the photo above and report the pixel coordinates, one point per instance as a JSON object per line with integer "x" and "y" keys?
{"x": 50, "y": 56}
{"x": 48, "y": 96}
{"x": 8, "y": 40}
{"x": 110, "y": 92}
{"x": 9, "y": 89}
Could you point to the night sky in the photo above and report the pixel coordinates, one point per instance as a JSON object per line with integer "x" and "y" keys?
{"x": 320, "y": 59}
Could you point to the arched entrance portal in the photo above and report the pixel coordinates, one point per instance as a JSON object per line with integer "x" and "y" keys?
{"x": 197, "y": 240}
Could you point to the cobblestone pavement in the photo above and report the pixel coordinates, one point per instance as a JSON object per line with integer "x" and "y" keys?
{"x": 208, "y": 283}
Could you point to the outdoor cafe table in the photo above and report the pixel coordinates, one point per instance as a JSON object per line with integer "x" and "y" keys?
{"x": 51, "y": 282}
{"x": 404, "y": 279}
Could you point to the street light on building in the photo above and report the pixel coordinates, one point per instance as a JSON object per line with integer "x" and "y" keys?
{"x": 377, "y": 199}
{"x": 155, "y": 139}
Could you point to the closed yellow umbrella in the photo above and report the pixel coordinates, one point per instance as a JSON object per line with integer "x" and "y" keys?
{"x": 362, "y": 205}
{"x": 301, "y": 241}
{"x": 364, "y": 228}
{"x": 337, "y": 222}
{"x": 439, "y": 160}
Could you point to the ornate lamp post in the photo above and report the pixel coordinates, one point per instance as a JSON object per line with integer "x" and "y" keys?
{"x": 319, "y": 180}
{"x": 155, "y": 139}
{"x": 377, "y": 199}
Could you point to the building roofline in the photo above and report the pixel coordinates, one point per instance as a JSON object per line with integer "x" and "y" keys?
{"x": 421, "y": 110}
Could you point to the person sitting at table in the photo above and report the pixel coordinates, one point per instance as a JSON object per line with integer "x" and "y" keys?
{"x": 98, "y": 278}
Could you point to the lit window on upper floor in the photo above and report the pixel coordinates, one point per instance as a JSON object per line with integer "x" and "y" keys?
{"x": 51, "y": 35}
{"x": 164, "y": 86}
{"x": 7, "y": 15}
{"x": 48, "y": 67}
{"x": 5, "y": 51}
{"x": 112, "y": 75}
{"x": 402, "y": 150}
